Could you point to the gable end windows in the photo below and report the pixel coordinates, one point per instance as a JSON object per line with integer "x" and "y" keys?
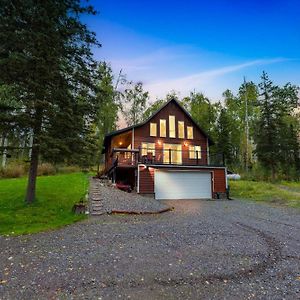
{"x": 172, "y": 133}
{"x": 153, "y": 129}
{"x": 190, "y": 133}
{"x": 181, "y": 129}
{"x": 162, "y": 128}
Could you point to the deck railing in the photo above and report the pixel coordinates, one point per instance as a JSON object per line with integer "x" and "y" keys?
{"x": 131, "y": 157}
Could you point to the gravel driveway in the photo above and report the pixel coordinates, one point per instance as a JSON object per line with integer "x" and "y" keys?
{"x": 200, "y": 250}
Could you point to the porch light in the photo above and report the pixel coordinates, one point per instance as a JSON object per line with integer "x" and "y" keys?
{"x": 120, "y": 143}
{"x": 159, "y": 142}
{"x": 185, "y": 144}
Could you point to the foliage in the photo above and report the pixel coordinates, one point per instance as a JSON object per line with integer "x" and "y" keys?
{"x": 106, "y": 105}
{"x": 153, "y": 107}
{"x": 135, "y": 99}
{"x": 282, "y": 193}
{"x": 277, "y": 142}
{"x": 45, "y": 53}
{"x": 56, "y": 196}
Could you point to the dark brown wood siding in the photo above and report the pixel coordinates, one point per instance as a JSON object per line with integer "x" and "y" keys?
{"x": 219, "y": 181}
{"x": 146, "y": 180}
{"x": 142, "y": 134}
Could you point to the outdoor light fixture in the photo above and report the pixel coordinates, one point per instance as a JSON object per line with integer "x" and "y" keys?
{"x": 185, "y": 144}
{"x": 159, "y": 142}
{"x": 120, "y": 143}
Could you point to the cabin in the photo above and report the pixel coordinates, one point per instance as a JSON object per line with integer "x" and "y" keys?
{"x": 167, "y": 156}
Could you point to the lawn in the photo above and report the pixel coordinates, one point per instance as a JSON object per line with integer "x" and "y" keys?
{"x": 282, "y": 193}
{"x": 52, "y": 208}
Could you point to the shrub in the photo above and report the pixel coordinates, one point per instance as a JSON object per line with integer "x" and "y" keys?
{"x": 46, "y": 169}
{"x": 13, "y": 171}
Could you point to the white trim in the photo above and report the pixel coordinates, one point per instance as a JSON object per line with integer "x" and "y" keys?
{"x": 138, "y": 180}
{"x": 182, "y": 166}
{"x": 207, "y": 151}
{"x": 226, "y": 179}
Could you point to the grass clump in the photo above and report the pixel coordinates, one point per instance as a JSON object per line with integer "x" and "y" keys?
{"x": 282, "y": 193}
{"x": 56, "y": 196}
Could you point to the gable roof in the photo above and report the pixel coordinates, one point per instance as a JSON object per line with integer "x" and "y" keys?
{"x": 116, "y": 132}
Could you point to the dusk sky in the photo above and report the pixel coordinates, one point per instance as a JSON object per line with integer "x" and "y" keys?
{"x": 203, "y": 45}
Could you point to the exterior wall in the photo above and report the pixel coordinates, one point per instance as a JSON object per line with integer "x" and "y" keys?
{"x": 142, "y": 134}
{"x": 146, "y": 180}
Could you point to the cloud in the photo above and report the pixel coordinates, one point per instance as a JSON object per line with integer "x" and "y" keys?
{"x": 186, "y": 84}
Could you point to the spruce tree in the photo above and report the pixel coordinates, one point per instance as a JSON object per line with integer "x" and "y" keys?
{"x": 45, "y": 52}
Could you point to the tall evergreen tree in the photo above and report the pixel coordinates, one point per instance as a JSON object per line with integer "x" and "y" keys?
{"x": 45, "y": 52}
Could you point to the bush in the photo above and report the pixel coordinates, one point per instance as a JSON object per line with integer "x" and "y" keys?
{"x": 13, "y": 171}
{"x": 46, "y": 169}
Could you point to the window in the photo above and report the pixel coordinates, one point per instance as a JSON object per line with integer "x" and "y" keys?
{"x": 181, "y": 129}
{"x": 148, "y": 148}
{"x": 190, "y": 134}
{"x": 176, "y": 154}
{"x": 153, "y": 131}
{"x": 172, "y": 133}
{"x": 194, "y": 151}
{"x": 163, "y": 128}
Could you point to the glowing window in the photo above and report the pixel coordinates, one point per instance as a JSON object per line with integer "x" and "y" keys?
{"x": 190, "y": 134}
{"x": 172, "y": 133}
{"x": 181, "y": 129}
{"x": 163, "y": 128}
{"x": 175, "y": 151}
{"x": 194, "y": 152}
{"x": 153, "y": 129}
{"x": 148, "y": 148}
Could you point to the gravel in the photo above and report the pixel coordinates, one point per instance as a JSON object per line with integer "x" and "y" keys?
{"x": 200, "y": 250}
{"x": 108, "y": 199}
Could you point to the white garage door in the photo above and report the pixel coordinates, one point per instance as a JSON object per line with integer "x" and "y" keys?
{"x": 182, "y": 185}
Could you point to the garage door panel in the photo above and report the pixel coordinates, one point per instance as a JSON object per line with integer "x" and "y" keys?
{"x": 182, "y": 185}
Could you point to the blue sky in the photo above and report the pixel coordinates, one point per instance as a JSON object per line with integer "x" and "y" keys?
{"x": 206, "y": 46}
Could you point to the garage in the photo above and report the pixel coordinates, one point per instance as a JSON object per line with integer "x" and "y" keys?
{"x": 182, "y": 185}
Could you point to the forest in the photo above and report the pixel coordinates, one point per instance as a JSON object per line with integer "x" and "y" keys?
{"x": 56, "y": 106}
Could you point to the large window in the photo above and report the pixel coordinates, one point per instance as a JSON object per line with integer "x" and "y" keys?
{"x": 163, "y": 128}
{"x": 190, "y": 134}
{"x": 181, "y": 129}
{"x": 172, "y": 133}
{"x": 172, "y": 154}
{"x": 148, "y": 148}
{"x": 194, "y": 152}
{"x": 153, "y": 129}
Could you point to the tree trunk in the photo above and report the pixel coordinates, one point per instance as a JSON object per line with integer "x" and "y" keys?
{"x": 34, "y": 158}
{"x": 31, "y": 185}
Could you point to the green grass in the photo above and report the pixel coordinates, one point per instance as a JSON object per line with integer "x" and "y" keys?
{"x": 56, "y": 196}
{"x": 282, "y": 193}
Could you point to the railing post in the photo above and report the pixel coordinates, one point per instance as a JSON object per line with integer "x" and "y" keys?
{"x": 139, "y": 154}
{"x": 197, "y": 157}
{"x": 170, "y": 160}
